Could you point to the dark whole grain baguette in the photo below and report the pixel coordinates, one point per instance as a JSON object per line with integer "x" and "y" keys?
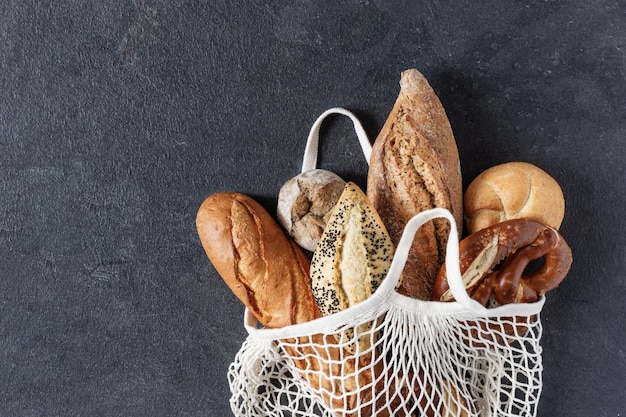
{"x": 414, "y": 167}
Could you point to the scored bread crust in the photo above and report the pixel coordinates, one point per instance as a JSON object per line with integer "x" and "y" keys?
{"x": 513, "y": 190}
{"x": 414, "y": 167}
{"x": 256, "y": 259}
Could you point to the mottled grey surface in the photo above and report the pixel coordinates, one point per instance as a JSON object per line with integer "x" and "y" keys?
{"x": 118, "y": 118}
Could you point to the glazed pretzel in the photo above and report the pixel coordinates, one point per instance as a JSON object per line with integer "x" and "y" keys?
{"x": 516, "y": 242}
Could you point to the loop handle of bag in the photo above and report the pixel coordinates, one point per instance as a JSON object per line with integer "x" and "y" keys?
{"x": 310, "y": 151}
{"x": 386, "y": 295}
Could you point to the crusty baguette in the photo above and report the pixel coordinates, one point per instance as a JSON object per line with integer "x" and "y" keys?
{"x": 265, "y": 269}
{"x": 414, "y": 167}
{"x": 269, "y": 273}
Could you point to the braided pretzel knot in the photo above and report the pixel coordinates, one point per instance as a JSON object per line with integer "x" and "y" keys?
{"x": 516, "y": 242}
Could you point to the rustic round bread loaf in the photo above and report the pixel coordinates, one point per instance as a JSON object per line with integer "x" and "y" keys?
{"x": 305, "y": 203}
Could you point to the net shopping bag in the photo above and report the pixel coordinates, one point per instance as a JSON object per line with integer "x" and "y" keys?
{"x": 421, "y": 358}
{"x": 424, "y": 358}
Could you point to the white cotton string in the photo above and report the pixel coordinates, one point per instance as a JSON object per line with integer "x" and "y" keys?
{"x": 312, "y": 144}
{"x": 453, "y": 270}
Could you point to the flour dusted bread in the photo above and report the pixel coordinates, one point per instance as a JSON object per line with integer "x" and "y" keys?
{"x": 513, "y": 190}
{"x": 414, "y": 167}
{"x": 305, "y": 203}
{"x": 265, "y": 269}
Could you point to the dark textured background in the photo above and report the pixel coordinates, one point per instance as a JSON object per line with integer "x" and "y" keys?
{"x": 118, "y": 118}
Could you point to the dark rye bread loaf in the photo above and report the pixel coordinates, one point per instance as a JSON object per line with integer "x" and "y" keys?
{"x": 414, "y": 167}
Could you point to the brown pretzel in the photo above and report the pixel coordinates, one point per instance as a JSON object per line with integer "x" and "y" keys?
{"x": 517, "y": 243}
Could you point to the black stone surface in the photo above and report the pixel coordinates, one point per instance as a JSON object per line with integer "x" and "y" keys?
{"x": 118, "y": 118}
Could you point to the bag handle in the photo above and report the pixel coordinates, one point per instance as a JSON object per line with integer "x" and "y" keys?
{"x": 310, "y": 151}
{"x": 453, "y": 270}
{"x": 453, "y": 273}
{"x": 386, "y": 290}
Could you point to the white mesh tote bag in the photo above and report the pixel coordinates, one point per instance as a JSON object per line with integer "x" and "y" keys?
{"x": 424, "y": 358}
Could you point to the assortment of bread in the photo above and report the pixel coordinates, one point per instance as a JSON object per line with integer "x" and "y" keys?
{"x": 269, "y": 273}
{"x": 512, "y": 213}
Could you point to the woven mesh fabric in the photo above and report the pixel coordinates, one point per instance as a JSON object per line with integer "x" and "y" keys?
{"x": 395, "y": 356}
{"x": 418, "y": 364}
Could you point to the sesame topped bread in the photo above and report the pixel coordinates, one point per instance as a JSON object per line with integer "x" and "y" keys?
{"x": 353, "y": 255}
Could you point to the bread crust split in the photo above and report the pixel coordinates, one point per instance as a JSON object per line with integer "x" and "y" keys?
{"x": 353, "y": 256}
{"x": 414, "y": 167}
{"x": 265, "y": 269}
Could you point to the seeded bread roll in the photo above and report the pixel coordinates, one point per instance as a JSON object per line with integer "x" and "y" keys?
{"x": 352, "y": 257}
{"x": 414, "y": 167}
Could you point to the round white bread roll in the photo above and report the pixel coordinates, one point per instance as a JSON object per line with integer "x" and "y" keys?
{"x": 305, "y": 203}
{"x": 513, "y": 190}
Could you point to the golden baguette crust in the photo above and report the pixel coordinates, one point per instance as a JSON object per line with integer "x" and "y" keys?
{"x": 265, "y": 269}
{"x": 414, "y": 167}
